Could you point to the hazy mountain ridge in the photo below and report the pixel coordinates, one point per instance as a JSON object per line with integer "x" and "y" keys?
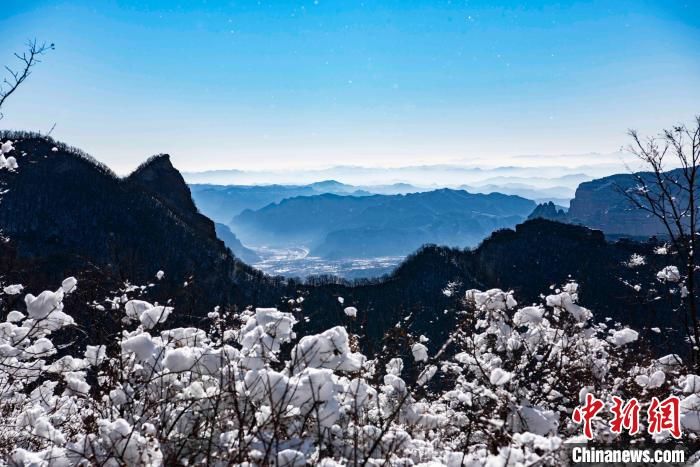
{"x": 84, "y": 221}
{"x": 380, "y": 225}
{"x": 560, "y": 195}
{"x": 223, "y": 202}
{"x": 441, "y": 175}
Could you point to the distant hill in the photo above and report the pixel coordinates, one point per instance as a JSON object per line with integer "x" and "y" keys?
{"x": 381, "y": 225}
{"x": 557, "y": 194}
{"x": 223, "y": 202}
{"x": 332, "y": 186}
{"x": 232, "y": 242}
{"x": 549, "y": 211}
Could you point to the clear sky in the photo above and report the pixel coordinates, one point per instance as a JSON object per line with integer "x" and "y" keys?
{"x": 265, "y": 84}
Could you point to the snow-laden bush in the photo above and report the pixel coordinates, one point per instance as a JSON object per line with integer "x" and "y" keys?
{"x": 7, "y": 162}
{"x": 248, "y": 390}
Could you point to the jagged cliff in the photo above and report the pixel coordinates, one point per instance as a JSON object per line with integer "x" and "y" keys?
{"x": 601, "y": 204}
{"x": 163, "y": 182}
{"x": 549, "y": 211}
{"x": 67, "y": 213}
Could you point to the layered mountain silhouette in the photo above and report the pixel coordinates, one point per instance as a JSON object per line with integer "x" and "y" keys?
{"x": 66, "y": 214}
{"x": 232, "y": 242}
{"x": 337, "y": 226}
{"x": 223, "y": 202}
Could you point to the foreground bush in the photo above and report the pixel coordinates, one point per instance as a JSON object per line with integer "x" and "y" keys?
{"x": 249, "y": 391}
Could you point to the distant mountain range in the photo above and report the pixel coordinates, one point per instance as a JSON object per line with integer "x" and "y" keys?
{"x": 223, "y": 203}
{"x": 395, "y": 227}
{"x": 559, "y": 195}
{"x": 66, "y": 214}
{"x": 336, "y": 226}
{"x": 433, "y": 176}
{"x": 328, "y": 219}
{"x": 234, "y": 244}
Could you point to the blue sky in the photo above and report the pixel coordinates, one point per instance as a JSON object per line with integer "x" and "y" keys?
{"x": 273, "y": 84}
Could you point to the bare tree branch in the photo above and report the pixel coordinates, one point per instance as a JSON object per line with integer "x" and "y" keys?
{"x": 670, "y": 196}
{"x": 28, "y": 59}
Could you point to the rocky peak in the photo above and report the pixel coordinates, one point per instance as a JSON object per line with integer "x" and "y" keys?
{"x": 549, "y": 211}
{"x": 160, "y": 179}
{"x": 66, "y": 214}
{"x": 158, "y": 176}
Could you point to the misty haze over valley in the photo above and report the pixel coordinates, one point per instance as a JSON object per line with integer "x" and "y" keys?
{"x": 365, "y": 230}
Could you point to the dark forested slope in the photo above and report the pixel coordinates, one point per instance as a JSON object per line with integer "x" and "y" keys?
{"x": 65, "y": 214}
{"x": 533, "y": 259}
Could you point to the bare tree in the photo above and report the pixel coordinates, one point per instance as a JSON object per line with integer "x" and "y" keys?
{"x": 669, "y": 193}
{"x": 16, "y": 76}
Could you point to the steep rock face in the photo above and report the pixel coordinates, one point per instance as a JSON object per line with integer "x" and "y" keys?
{"x": 65, "y": 213}
{"x": 162, "y": 181}
{"x": 601, "y": 204}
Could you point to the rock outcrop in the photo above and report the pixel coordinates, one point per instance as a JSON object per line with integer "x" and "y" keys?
{"x": 549, "y": 211}
{"x": 602, "y": 204}
{"x": 67, "y": 213}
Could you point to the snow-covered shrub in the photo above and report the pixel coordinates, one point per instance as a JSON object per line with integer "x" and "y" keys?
{"x": 248, "y": 390}
{"x": 7, "y": 162}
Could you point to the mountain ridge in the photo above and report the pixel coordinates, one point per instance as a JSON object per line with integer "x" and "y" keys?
{"x": 392, "y": 225}
{"x": 65, "y": 211}
{"x": 66, "y": 215}
{"x": 603, "y": 204}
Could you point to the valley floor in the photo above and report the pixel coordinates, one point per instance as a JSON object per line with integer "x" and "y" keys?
{"x": 296, "y": 262}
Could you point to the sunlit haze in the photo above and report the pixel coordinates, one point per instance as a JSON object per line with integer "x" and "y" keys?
{"x": 262, "y": 85}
